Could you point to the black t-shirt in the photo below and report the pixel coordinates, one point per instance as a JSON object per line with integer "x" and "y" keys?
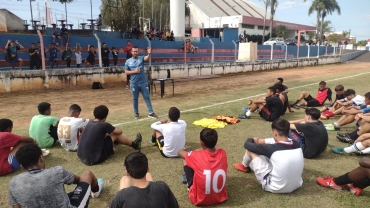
{"x": 115, "y": 54}
{"x": 64, "y": 31}
{"x": 155, "y": 194}
{"x": 338, "y": 97}
{"x": 284, "y": 87}
{"x": 34, "y": 56}
{"x": 105, "y": 52}
{"x": 275, "y": 106}
{"x": 316, "y": 138}
{"x": 92, "y": 141}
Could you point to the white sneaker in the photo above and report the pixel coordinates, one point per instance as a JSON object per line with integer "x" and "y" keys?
{"x": 101, "y": 186}
{"x": 45, "y": 152}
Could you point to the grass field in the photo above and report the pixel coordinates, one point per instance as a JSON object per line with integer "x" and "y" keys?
{"x": 201, "y": 99}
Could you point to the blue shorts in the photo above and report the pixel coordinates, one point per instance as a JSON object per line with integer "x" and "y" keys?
{"x": 14, "y": 61}
{"x": 13, "y": 162}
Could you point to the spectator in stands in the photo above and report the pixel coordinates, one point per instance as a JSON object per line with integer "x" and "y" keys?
{"x": 105, "y": 55}
{"x": 115, "y": 56}
{"x": 67, "y": 54}
{"x": 245, "y": 36}
{"x": 12, "y": 55}
{"x": 90, "y": 60}
{"x": 53, "y": 59}
{"x": 168, "y": 35}
{"x": 189, "y": 47}
{"x": 43, "y": 127}
{"x": 34, "y": 57}
{"x": 55, "y": 34}
{"x": 99, "y": 22}
{"x": 221, "y": 35}
{"x": 138, "y": 184}
{"x": 241, "y": 38}
{"x": 10, "y": 143}
{"x": 64, "y": 33}
{"x": 78, "y": 56}
{"x": 128, "y": 50}
{"x": 172, "y": 36}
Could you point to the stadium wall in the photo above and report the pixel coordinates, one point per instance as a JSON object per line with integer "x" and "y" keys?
{"x": 13, "y": 81}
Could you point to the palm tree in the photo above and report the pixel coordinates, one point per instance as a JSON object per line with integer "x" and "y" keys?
{"x": 317, "y": 6}
{"x": 282, "y": 31}
{"x": 345, "y": 33}
{"x": 65, "y": 5}
{"x": 273, "y": 6}
{"x": 330, "y": 6}
{"x": 267, "y": 4}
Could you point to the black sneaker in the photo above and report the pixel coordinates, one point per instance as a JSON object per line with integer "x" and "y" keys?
{"x": 304, "y": 106}
{"x": 341, "y": 134}
{"x": 152, "y": 115}
{"x": 137, "y": 116}
{"x": 296, "y": 107}
{"x": 345, "y": 139}
{"x": 137, "y": 143}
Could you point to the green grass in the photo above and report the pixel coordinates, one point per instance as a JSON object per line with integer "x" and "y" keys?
{"x": 243, "y": 189}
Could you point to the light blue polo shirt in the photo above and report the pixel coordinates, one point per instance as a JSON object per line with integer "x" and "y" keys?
{"x": 131, "y": 64}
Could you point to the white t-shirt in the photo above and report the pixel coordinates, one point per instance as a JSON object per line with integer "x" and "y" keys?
{"x": 358, "y": 100}
{"x": 68, "y": 132}
{"x": 174, "y": 136}
{"x": 78, "y": 57}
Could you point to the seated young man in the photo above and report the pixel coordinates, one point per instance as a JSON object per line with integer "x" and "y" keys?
{"x": 270, "y": 106}
{"x": 169, "y": 135}
{"x": 137, "y": 188}
{"x": 69, "y": 128}
{"x": 96, "y": 143}
{"x": 310, "y": 133}
{"x": 354, "y": 181}
{"x": 349, "y": 114}
{"x": 277, "y": 162}
{"x": 43, "y": 127}
{"x": 283, "y": 97}
{"x": 351, "y": 99}
{"x": 280, "y": 81}
{"x": 44, "y": 187}
{"x": 339, "y": 95}
{"x": 323, "y": 94}
{"x": 363, "y": 123}
{"x": 9, "y": 145}
{"x": 205, "y": 171}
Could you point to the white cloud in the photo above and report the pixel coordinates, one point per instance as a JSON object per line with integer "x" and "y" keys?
{"x": 361, "y": 17}
{"x": 290, "y": 4}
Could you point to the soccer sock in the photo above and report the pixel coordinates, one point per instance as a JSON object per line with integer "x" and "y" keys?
{"x": 246, "y": 160}
{"x": 366, "y": 151}
{"x": 336, "y": 124}
{"x": 248, "y": 113}
{"x": 95, "y": 189}
{"x": 354, "y": 148}
{"x": 154, "y": 139}
{"x": 363, "y": 184}
{"x": 353, "y": 135}
{"x": 342, "y": 180}
{"x": 296, "y": 102}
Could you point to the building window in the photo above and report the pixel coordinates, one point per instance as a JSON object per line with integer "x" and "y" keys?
{"x": 247, "y": 26}
{"x": 261, "y": 28}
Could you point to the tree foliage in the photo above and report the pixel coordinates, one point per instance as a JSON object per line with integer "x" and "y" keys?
{"x": 362, "y": 43}
{"x": 334, "y": 38}
{"x": 282, "y": 31}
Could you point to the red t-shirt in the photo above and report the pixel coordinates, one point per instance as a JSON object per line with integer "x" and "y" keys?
{"x": 128, "y": 49}
{"x": 209, "y": 181}
{"x": 7, "y": 140}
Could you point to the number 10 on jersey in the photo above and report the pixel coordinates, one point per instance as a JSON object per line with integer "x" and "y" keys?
{"x": 212, "y": 180}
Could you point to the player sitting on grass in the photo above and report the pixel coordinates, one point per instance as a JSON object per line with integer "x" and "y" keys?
{"x": 280, "y": 81}
{"x": 270, "y": 106}
{"x": 349, "y": 114}
{"x": 339, "y": 90}
{"x": 277, "y": 162}
{"x": 9, "y": 145}
{"x": 354, "y": 181}
{"x": 137, "y": 188}
{"x": 363, "y": 123}
{"x": 69, "y": 128}
{"x": 205, "y": 171}
{"x": 310, "y": 133}
{"x": 96, "y": 143}
{"x": 323, "y": 94}
{"x": 351, "y": 99}
{"x": 44, "y": 187}
{"x": 43, "y": 127}
{"x": 169, "y": 135}
{"x": 283, "y": 97}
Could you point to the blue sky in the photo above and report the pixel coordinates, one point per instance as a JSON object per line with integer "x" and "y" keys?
{"x": 355, "y": 14}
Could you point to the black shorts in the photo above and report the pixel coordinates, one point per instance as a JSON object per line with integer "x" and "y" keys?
{"x": 160, "y": 144}
{"x": 266, "y": 114}
{"x": 189, "y": 173}
{"x": 107, "y": 149}
{"x": 79, "y": 197}
{"x": 311, "y": 102}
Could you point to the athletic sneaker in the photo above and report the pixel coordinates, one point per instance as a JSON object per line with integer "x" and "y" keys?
{"x": 137, "y": 116}
{"x": 360, "y": 153}
{"x": 341, "y": 134}
{"x": 303, "y": 106}
{"x": 242, "y": 116}
{"x": 154, "y": 143}
{"x": 345, "y": 138}
{"x": 45, "y": 152}
{"x": 295, "y": 107}
{"x": 332, "y": 128}
{"x": 240, "y": 167}
{"x": 183, "y": 178}
{"x": 338, "y": 150}
{"x": 329, "y": 183}
{"x": 137, "y": 143}
{"x": 101, "y": 186}
{"x": 245, "y": 109}
{"x": 354, "y": 190}
{"x": 152, "y": 115}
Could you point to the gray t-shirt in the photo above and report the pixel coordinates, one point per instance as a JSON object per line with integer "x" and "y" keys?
{"x": 41, "y": 188}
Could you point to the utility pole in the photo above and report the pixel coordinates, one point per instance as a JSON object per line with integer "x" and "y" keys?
{"x": 160, "y": 19}
{"x": 38, "y": 8}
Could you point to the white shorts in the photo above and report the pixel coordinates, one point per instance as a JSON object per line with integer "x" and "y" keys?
{"x": 262, "y": 167}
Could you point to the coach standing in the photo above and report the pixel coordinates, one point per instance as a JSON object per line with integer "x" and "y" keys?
{"x": 138, "y": 81}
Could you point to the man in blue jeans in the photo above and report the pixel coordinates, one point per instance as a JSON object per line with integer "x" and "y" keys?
{"x": 138, "y": 81}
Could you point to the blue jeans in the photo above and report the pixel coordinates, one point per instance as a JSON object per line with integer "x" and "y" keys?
{"x": 136, "y": 88}
{"x": 300, "y": 138}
